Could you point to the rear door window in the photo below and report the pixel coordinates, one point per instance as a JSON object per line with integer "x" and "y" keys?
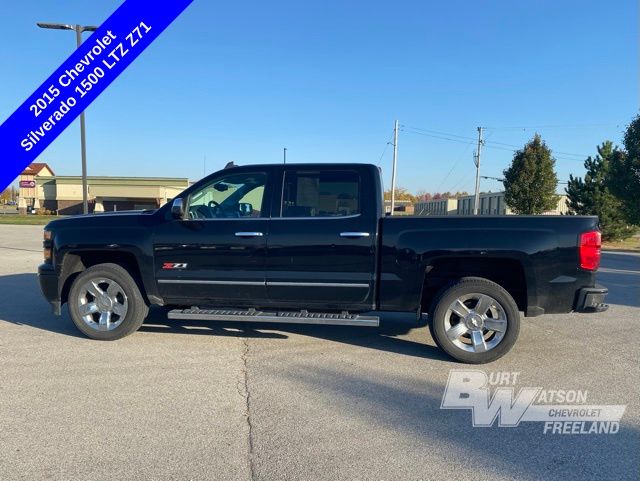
{"x": 320, "y": 194}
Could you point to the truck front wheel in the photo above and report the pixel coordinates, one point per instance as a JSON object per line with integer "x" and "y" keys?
{"x": 105, "y": 303}
{"x": 474, "y": 320}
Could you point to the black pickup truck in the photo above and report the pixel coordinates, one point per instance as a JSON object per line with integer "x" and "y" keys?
{"x": 310, "y": 243}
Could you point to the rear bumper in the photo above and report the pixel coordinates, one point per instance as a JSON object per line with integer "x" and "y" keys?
{"x": 591, "y": 299}
{"x": 48, "y": 279}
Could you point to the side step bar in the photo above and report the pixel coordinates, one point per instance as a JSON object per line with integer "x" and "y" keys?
{"x": 293, "y": 317}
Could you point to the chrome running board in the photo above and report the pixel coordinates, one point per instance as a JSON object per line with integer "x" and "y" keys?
{"x": 293, "y": 317}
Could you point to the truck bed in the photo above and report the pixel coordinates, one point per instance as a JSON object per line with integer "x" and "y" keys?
{"x": 536, "y": 255}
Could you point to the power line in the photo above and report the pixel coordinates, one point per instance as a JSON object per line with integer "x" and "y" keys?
{"x": 439, "y": 133}
{"x": 557, "y": 126}
{"x": 463, "y": 180}
{"x": 468, "y": 141}
{"x": 455, "y": 164}
{"x": 386, "y": 146}
{"x": 476, "y": 159}
{"x": 440, "y": 137}
{"x": 502, "y": 180}
{"x": 558, "y": 157}
{"x": 494, "y": 144}
{"x": 554, "y": 151}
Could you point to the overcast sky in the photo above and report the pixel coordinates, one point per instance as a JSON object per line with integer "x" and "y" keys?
{"x": 326, "y": 79}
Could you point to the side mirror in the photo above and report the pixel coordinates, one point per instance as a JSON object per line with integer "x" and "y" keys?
{"x": 177, "y": 208}
{"x": 245, "y": 209}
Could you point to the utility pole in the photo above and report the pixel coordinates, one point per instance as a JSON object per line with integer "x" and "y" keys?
{"x": 477, "y": 162}
{"x": 393, "y": 171}
{"x": 284, "y": 153}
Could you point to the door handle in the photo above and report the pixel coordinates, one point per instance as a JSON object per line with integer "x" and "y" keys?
{"x": 249, "y": 234}
{"x": 354, "y": 234}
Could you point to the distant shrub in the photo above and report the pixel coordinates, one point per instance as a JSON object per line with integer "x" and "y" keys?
{"x": 45, "y": 212}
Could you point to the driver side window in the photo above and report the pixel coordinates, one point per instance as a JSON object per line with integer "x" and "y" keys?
{"x": 229, "y": 196}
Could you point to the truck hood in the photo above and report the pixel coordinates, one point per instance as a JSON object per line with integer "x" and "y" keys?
{"x": 121, "y": 218}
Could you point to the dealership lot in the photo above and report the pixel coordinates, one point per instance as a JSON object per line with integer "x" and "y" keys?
{"x": 192, "y": 400}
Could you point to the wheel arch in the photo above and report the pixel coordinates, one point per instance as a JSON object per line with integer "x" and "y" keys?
{"x": 75, "y": 262}
{"x": 509, "y": 273}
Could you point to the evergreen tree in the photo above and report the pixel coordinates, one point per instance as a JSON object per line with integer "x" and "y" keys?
{"x": 591, "y": 196}
{"x": 530, "y": 182}
{"x": 624, "y": 177}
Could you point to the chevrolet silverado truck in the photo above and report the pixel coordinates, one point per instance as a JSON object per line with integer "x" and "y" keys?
{"x": 311, "y": 243}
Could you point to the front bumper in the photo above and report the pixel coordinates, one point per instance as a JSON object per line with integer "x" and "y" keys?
{"x": 591, "y": 299}
{"x": 48, "y": 279}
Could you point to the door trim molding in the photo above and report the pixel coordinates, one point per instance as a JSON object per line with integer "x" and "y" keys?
{"x": 198, "y": 281}
{"x": 263, "y": 283}
{"x": 330, "y": 217}
{"x": 316, "y": 284}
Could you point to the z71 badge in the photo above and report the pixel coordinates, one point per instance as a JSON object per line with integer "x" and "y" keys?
{"x": 174, "y": 265}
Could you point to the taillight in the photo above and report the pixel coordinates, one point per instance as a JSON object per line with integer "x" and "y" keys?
{"x": 589, "y": 250}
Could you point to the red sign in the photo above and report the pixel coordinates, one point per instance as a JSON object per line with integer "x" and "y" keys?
{"x": 27, "y": 184}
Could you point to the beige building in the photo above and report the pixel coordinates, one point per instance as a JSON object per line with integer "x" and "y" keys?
{"x": 437, "y": 207}
{"x": 41, "y": 189}
{"x": 491, "y": 203}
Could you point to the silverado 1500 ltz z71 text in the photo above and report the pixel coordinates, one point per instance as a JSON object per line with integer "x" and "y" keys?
{"x": 310, "y": 243}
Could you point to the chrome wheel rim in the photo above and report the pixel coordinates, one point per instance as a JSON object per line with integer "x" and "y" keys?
{"x": 475, "y": 322}
{"x": 102, "y": 304}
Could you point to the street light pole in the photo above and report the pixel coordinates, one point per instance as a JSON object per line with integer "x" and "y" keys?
{"x": 83, "y": 141}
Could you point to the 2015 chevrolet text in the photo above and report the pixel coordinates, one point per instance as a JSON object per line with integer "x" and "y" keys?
{"x": 309, "y": 243}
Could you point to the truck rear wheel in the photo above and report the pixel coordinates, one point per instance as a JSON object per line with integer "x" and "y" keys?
{"x": 105, "y": 303}
{"x": 474, "y": 320}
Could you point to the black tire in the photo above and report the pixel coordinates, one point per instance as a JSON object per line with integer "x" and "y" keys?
{"x": 465, "y": 287}
{"x": 136, "y": 311}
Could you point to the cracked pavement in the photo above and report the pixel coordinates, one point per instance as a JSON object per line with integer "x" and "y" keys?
{"x": 225, "y": 401}
{"x": 246, "y": 396}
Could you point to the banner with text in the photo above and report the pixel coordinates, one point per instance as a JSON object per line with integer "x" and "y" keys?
{"x": 80, "y": 79}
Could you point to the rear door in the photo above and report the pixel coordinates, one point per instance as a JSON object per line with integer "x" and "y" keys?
{"x": 321, "y": 245}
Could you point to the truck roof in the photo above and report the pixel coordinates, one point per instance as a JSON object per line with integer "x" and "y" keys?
{"x": 314, "y": 165}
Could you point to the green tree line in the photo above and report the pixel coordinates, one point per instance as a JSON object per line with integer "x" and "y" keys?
{"x": 609, "y": 189}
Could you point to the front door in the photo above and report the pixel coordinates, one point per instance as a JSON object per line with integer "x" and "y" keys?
{"x": 321, "y": 242}
{"x": 216, "y": 254}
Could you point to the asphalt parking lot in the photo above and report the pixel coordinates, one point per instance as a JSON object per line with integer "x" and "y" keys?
{"x": 202, "y": 401}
